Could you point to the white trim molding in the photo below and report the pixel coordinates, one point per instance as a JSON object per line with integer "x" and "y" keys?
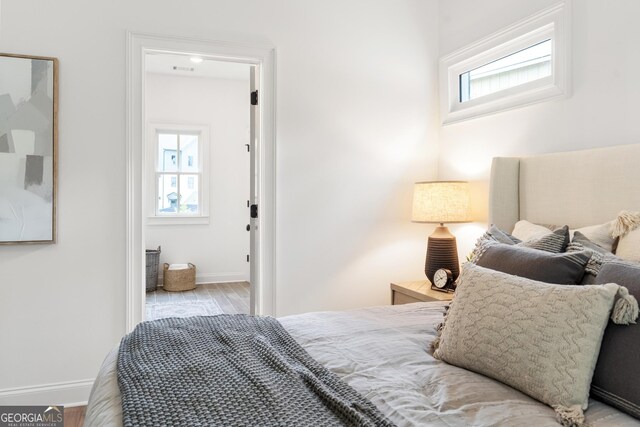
{"x": 215, "y": 278}
{"x": 264, "y": 57}
{"x": 178, "y": 220}
{"x": 221, "y": 278}
{"x": 552, "y": 23}
{"x": 68, "y": 393}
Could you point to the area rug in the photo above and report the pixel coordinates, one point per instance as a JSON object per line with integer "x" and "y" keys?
{"x": 182, "y": 309}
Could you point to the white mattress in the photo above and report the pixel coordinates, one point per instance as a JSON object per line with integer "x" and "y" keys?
{"x": 382, "y": 353}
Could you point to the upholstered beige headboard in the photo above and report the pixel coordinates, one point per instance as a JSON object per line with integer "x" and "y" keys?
{"x": 576, "y": 188}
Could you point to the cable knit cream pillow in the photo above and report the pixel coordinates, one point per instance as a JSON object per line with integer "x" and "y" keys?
{"x": 539, "y": 338}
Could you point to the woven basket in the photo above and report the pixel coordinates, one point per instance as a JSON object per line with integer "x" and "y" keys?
{"x": 179, "y": 280}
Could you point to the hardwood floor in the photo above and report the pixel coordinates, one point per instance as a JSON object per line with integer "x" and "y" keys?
{"x": 206, "y": 299}
{"x": 74, "y": 417}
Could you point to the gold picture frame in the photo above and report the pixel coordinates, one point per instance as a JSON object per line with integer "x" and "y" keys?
{"x": 28, "y": 148}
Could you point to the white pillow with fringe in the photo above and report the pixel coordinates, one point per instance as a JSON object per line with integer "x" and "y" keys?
{"x": 539, "y": 338}
{"x": 627, "y": 228}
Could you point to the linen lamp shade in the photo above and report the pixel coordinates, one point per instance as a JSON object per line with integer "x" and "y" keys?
{"x": 441, "y": 202}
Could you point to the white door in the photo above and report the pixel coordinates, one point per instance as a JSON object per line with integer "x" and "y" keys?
{"x": 254, "y": 210}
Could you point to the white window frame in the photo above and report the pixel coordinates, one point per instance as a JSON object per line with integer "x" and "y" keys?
{"x": 153, "y": 218}
{"x": 552, "y": 23}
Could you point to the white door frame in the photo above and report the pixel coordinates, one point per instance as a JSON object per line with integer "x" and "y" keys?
{"x": 138, "y": 44}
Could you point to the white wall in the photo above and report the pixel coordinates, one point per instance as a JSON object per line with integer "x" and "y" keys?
{"x": 218, "y": 249}
{"x": 601, "y": 111}
{"x": 356, "y": 126}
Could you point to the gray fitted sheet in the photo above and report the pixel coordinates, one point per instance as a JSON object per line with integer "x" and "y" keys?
{"x": 383, "y": 353}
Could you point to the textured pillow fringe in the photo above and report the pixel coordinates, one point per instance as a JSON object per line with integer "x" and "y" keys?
{"x": 625, "y": 310}
{"x": 481, "y": 247}
{"x": 434, "y": 348}
{"x": 570, "y": 416}
{"x": 625, "y": 223}
{"x": 435, "y": 344}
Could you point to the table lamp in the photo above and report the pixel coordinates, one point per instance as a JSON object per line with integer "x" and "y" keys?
{"x": 441, "y": 202}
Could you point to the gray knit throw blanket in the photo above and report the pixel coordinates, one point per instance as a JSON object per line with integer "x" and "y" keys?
{"x": 231, "y": 370}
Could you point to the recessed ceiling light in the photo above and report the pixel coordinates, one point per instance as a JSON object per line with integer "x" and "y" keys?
{"x": 196, "y": 59}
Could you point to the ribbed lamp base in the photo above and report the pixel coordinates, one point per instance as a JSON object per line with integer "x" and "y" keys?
{"x": 442, "y": 252}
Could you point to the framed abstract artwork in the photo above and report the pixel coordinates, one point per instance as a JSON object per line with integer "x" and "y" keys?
{"x": 28, "y": 148}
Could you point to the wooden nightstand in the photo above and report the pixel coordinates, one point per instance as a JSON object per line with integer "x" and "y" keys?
{"x": 418, "y": 291}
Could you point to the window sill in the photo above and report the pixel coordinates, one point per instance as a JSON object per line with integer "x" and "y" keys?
{"x": 178, "y": 220}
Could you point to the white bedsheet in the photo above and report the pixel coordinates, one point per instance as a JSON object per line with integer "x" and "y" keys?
{"x": 382, "y": 353}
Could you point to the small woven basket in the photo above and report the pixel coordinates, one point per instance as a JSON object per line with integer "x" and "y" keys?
{"x": 179, "y": 280}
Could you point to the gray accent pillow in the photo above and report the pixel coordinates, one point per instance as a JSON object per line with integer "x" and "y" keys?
{"x": 555, "y": 242}
{"x": 493, "y": 234}
{"x": 599, "y": 255}
{"x": 562, "y": 268}
{"x": 502, "y": 236}
{"x": 580, "y": 238}
{"x": 616, "y": 380}
{"x": 539, "y": 338}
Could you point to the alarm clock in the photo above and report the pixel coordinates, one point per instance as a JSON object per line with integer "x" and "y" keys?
{"x": 443, "y": 280}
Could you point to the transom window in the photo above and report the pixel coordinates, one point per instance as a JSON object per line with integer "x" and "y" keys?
{"x": 527, "y": 65}
{"x": 524, "y": 63}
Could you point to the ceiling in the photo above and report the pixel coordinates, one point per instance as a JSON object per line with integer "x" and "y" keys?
{"x": 163, "y": 63}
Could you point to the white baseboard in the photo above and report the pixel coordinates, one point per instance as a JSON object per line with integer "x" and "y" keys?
{"x": 216, "y": 278}
{"x": 221, "y": 278}
{"x": 69, "y": 393}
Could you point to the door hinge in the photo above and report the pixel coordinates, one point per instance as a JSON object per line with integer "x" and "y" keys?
{"x": 254, "y": 97}
{"x": 247, "y": 258}
{"x": 248, "y": 147}
{"x": 254, "y": 211}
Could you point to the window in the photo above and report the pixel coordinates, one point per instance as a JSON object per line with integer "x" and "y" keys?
{"x": 522, "y": 64}
{"x": 527, "y": 65}
{"x": 179, "y": 183}
{"x": 176, "y": 151}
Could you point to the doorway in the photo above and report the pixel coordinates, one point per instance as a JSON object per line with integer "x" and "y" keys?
{"x": 199, "y": 152}
{"x": 259, "y": 215}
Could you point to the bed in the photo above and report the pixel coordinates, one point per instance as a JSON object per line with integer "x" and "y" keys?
{"x": 383, "y": 352}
